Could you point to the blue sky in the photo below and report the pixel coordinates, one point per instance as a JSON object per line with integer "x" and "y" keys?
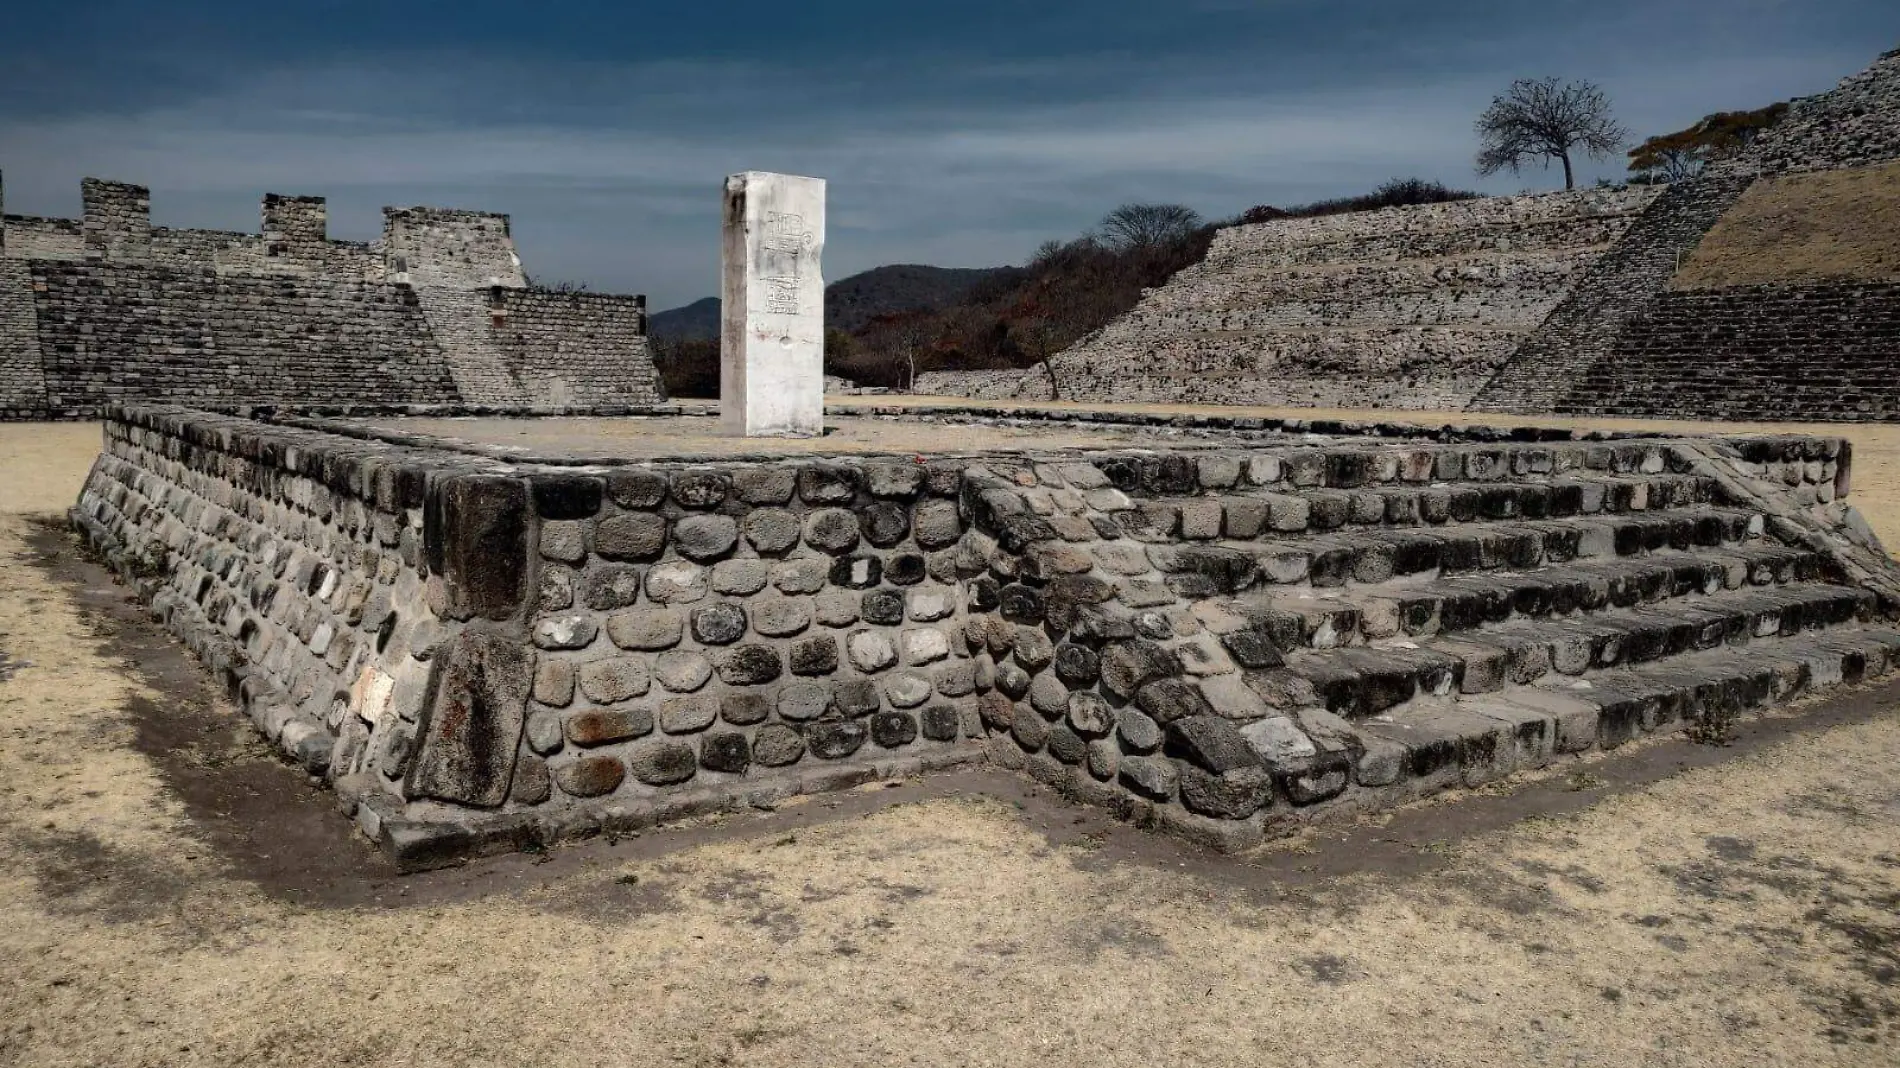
{"x": 961, "y": 134}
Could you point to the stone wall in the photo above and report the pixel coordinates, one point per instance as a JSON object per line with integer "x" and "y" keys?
{"x": 1583, "y": 328}
{"x": 121, "y": 331}
{"x": 1199, "y": 636}
{"x": 1855, "y": 124}
{"x": 1405, "y": 307}
{"x": 259, "y": 316}
{"x": 1810, "y": 352}
{"x": 573, "y": 350}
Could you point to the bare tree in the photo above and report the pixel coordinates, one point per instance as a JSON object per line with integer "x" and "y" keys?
{"x": 1035, "y": 338}
{"x": 1540, "y": 119}
{"x": 1144, "y": 226}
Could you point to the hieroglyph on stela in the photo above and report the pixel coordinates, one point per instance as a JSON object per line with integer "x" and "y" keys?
{"x": 772, "y": 330}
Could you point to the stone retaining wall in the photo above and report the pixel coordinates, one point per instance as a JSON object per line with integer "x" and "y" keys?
{"x": 483, "y": 654}
{"x": 111, "y": 307}
{"x": 1405, "y": 307}
{"x": 1822, "y": 352}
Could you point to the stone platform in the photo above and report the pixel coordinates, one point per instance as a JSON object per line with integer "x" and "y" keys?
{"x": 492, "y": 632}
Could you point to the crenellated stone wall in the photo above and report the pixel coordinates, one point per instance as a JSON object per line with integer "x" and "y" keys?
{"x": 110, "y": 307}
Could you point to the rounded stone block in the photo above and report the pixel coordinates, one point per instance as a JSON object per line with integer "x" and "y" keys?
{"x": 771, "y": 531}
{"x": 664, "y": 763}
{"x": 676, "y": 582}
{"x": 725, "y": 751}
{"x": 893, "y": 730}
{"x": 832, "y": 530}
{"x": 748, "y": 665}
{"x": 682, "y": 670}
{"x": 614, "y": 679}
{"x": 719, "y": 624}
{"x": 631, "y": 536}
{"x": 604, "y": 726}
{"x": 835, "y": 739}
{"x": 706, "y": 538}
{"x": 776, "y": 745}
{"x": 646, "y": 630}
{"x": 685, "y": 715}
{"x": 590, "y": 776}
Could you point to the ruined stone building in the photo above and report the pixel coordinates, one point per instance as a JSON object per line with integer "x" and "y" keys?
{"x": 437, "y": 310}
{"x": 1570, "y": 302}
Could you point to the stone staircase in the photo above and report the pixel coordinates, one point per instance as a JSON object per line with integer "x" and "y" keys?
{"x": 1359, "y": 626}
{"x": 1819, "y": 351}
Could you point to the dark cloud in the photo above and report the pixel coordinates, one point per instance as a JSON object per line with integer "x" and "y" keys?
{"x": 959, "y": 134}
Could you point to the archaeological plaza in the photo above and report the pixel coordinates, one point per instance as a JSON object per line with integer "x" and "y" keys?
{"x": 446, "y": 544}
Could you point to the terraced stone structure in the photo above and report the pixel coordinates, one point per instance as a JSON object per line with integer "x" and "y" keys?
{"x": 436, "y": 310}
{"x": 1223, "y": 630}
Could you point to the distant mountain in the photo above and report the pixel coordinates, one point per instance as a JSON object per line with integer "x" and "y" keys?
{"x": 850, "y": 303}
{"x": 700, "y": 319}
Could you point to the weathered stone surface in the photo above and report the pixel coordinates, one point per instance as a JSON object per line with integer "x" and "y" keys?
{"x": 554, "y": 682}
{"x": 942, "y": 723}
{"x": 682, "y": 670}
{"x": 1167, "y": 700}
{"x": 705, "y": 538}
{"x": 533, "y": 785}
{"x": 719, "y": 624}
{"x": 613, "y": 679}
{"x": 648, "y": 630}
{"x": 744, "y": 709}
{"x": 1154, "y": 778}
{"x": 1127, "y": 666}
{"x": 1104, "y": 758}
{"x": 764, "y": 485}
{"x": 816, "y": 655}
{"x": 882, "y": 607}
{"x": 566, "y": 632}
{"x": 1137, "y": 732}
{"x": 1065, "y": 745}
{"x": 859, "y": 571}
{"x": 725, "y": 751}
{"x": 776, "y": 745}
{"x": 892, "y": 730}
{"x": 567, "y": 497}
{"x": 908, "y": 569}
{"x": 923, "y": 646}
{"x": 1032, "y": 648}
{"x": 1048, "y": 696}
{"x": 636, "y": 489}
{"x": 612, "y": 586}
{"x": 480, "y": 684}
{"x": 739, "y": 578}
{"x": 836, "y": 608}
{"x": 1089, "y": 715}
{"x": 684, "y": 715}
{"x": 936, "y": 524}
{"x": 906, "y": 689}
{"x": 955, "y": 678}
{"x": 870, "y": 651}
{"x": 832, "y": 530}
{"x": 803, "y": 700}
{"x": 855, "y": 697}
{"x": 700, "y": 489}
{"x": 604, "y": 726}
{"x": 1232, "y": 795}
{"x": 631, "y": 536}
{"x": 594, "y": 775}
{"x": 1028, "y": 727}
{"x": 566, "y": 541}
{"x": 676, "y": 582}
{"x": 1211, "y": 743}
{"x": 928, "y": 605}
{"x": 545, "y": 732}
{"x": 662, "y": 763}
{"x": 1281, "y": 743}
{"x": 800, "y": 576}
{"x": 1077, "y": 665}
{"x": 835, "y": 739}
{"x": 771, "y": 530}
{"x": 748, "y": 665}
{"x": 781, "y": 617}
{"x": 476, "y": 527}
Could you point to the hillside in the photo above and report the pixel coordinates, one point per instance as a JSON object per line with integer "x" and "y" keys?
{"x": 850, "y": 303}
{"x": 1803, "y": 228}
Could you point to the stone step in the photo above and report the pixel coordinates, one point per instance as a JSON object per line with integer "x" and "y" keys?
{"x": 1365, "y": 680}
{"x": 1404, "y": 564}
{"x": 1247, "y": 514}
{"x": 1468, "y": 741}
{"x": 1423, "y": 606}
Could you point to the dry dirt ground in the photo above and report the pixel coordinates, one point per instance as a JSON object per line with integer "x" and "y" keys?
{"x": 1804, "y": 228}
{"x": 172, "y": 895}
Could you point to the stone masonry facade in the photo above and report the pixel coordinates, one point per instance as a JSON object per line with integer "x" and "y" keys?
{"x": 1247, "y": 626}
{"x": 110, "y": 308}
{"x": 1409, "y": 307}
{"x": 1583, "y": 345}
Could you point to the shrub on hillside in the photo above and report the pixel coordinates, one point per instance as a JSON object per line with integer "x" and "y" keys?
{"x": 1397, "y": 193}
